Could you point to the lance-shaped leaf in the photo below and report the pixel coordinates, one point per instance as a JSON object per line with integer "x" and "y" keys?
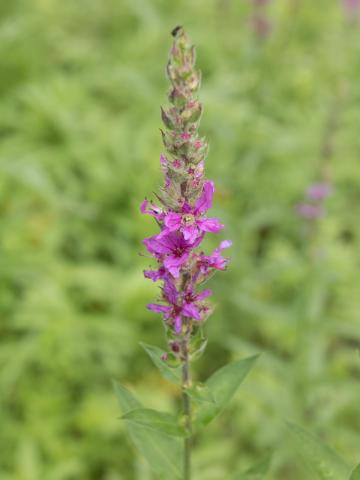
{"x": 172, "y": 374}
{"x": 355, "y": 475}
{"x": 257, "y": 471}
{"x": 223, "y": 385}
{"x": 318, "y": 457}
{"x": 161, "y": 421}
{"x": 163, "y": 452}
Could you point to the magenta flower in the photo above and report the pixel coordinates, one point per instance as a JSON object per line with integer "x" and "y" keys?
{"x": 313, "y": 207}
{"x": 196, "y": 174}
{"x": 172, "y": 249}
{"x": 215, "y": 260}
{"x": 185, "y": 136}
{"x": 191, "y": 298}
{"x": 179, "y": 304}
{"x": 351, "y": 7}
{"x": 190, "y": 221}
{"x": 153, "y": 210}
{"x": 351, "y": 10}
{"x": 309, "y": 211}
{"x": 156, "y": 275}
{"x": 319, "y": 191}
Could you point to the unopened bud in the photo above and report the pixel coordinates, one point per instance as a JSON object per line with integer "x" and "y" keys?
{"x": 193, "y": 113}
{"x": 178, "y": 98}
{"x": 167, "y": 119}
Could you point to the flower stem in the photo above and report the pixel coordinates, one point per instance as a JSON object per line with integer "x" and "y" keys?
{"x": 186, "y": 380}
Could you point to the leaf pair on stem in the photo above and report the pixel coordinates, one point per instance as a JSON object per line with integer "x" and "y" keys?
{"x": 157, "y": 435}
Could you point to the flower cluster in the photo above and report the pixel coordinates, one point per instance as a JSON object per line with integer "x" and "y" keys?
{"x": 260, "y": 21}
{"x": 352, "y": 9}
{"x": 313, "y": 207}
{"x": 183, "y": 202}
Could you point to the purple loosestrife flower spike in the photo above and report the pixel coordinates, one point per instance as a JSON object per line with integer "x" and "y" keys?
{"x": 180, "y": 209}
{"x": 319, "y": 191}
{"x": 309, "y": 211}
{"x": 182, "y": 204}
{"x": 260, "y": 21}
{"x": 352, "y": 8}
{"x": 313, "y": 207}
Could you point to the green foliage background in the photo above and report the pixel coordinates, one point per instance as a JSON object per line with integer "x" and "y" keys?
{"x": 81, "y": 84}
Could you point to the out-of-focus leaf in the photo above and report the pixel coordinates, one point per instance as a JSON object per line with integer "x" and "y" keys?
{"x": 163, "y": 452}
{"x": 318, "y": 457}
{"x": 257, "y": 471}
{"x": 161, "y": 421}
{"x": 223, "y": 385}
{"x": 355, "y": 475}
{"x": 173, "y": 375}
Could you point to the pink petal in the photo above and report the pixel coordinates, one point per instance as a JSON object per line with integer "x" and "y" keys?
{"x": 165, "y": 242}
{"x": 210, "y": 225}
{"x": 171, "y": 240}
{"x": 173, "y": 221}
{"x": 190, "y": 233}
{"x": 191, "y": 310}
{"x": 310, "y": 211}
{"x": 153, "y": 210}
{"x": 155, "y": 245}
{"x": 143, "y": 206}
{"x": 319, "y": 191}
{"x": 155, "y": 275}
{"x": 167, "y": 181}
{"x": 178, "y": 324}
{"x": 197, "y": 242}
{"x": 205, "y": 201}
{"x": 154, "y": 307}
{"x": 204, "y": 294}
{"x": 170, "y": 291}
{"x": 173, "y": 264}
{"x": 185, "y": 135}
{"x": 225, "y": 244}
{"x": 186, "y": 208}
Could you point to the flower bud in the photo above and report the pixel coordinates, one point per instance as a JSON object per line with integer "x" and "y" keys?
{"x": 167, "y": 119}
{"x": 192, "y": 112}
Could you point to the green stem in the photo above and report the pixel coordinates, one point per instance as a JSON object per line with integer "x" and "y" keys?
{"x": 186, "y": 380}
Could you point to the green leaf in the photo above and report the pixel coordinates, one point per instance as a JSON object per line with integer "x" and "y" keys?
{"x": 257, "y": 471}
{"x": 161, "y": 421}
{"x": 318, "y": 457}
{"x": 261, "y": 467}
{"x": 173, "y": 375}
{"x": 355, "y": 475}
{"x": 163, "y": 452}
{"x": 223, "y": 385}
{"x": 126, "y": 399}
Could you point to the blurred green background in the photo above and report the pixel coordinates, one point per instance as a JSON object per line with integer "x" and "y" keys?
{"x": 81, "y": 84}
